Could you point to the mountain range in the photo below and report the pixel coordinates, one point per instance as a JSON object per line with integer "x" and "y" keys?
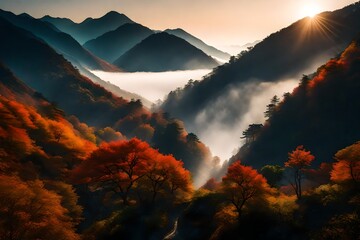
{"x": 90, "y": 28}
{"x": 63, "y": 43}
{"x": 55, "y": 79}
{"x": 53, "y": 76}
{"x": 114, "y": 34}
{"x": 164, "y": 52}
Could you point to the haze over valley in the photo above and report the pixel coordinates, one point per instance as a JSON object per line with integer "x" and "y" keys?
{"x": 151, "y": 85}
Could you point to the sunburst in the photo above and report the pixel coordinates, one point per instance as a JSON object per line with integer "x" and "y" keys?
{"x": 310, "y": 10}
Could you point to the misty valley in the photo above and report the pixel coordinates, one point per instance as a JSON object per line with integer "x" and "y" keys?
{"x": 113, "y": 129}
{"x": 154, "y": 85}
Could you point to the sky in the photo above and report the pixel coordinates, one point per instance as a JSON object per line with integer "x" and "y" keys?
{"x": 224, "y": 24}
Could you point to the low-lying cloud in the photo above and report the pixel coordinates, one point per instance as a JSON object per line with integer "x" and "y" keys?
{"x": 151, "y": 85}
{"x": 221, "y": 123}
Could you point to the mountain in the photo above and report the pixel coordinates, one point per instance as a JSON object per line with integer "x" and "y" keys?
{"x": 117, "y": 91}
{"x": 61, "y": 42}
{"x": 209, "y": 50}
{"x": 321, "y": 114}
{"x": 111, "y": 45}
{"x": 164, "y": 52}
{"x": 48, "y": 73}
{"x": 71, "y": 50}
{"x": 224, "y": 96}
{"x": 63, "y": 24}
{"x": 90, "y": 28}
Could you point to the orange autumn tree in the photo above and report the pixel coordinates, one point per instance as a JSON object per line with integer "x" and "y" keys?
{"x": 165, "y": 176}
{"x": 242, "y": 184}
{"x": 298, "y": 160}
{"x": 347, "y": 166}
{"x": 122, "y": 165}
{"x": 29, "y": 211}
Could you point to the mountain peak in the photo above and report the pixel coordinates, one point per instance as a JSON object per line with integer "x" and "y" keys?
{"x": 164, "y": 52}
{"x": 25, "y": 15}
{"x": 175, "y": 30}
{"x": 87, "y": 20}
{"x": 109, "y": 15}
{"x": 112, "y": 13}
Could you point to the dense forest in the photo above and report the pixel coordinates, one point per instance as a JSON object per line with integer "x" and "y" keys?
{"x": 79, "y": 161}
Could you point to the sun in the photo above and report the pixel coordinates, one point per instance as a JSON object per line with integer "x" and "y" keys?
{"x": 310, "y": 10}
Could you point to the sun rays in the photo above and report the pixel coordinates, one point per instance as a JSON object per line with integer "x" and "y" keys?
{"x": 318, "y": 26}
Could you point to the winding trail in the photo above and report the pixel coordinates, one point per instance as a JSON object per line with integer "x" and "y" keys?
{"x": 172, "y": 234}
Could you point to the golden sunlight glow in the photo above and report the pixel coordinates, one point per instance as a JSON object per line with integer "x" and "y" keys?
{"x": 310, "y": 10}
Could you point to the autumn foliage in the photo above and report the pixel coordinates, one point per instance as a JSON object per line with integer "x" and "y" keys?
{"x": 29, "y": 211}
{"x": 133, "y": 166}
{"x": 347, "y": 166}
{"x": 298, "y": 160}
{"x": 242, "y": 184}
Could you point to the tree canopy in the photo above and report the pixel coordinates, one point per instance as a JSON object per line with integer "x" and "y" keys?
{"x": 125, "y": 166}
{"x": 243, "y": 183}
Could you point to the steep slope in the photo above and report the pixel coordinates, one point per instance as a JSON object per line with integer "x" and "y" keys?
{"x": 90, "y": 28}
{"x": 35, "y": 137}
{"x": 109, "y": 86}
{"x": 61, "y": 42}
{"x": 164, "y": 52}
{"x": 321, "y": 114}
{"x": 223, "y": 98}
{"x": 209, "y": 50}
{"x": 111, "y": 45}
{"x": 12, "y": 88}
{"x": 33, "y": 61}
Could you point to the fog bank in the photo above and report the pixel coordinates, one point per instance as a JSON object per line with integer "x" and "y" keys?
{"x": 151, "y": 85}
{"x": 221, "y": 123}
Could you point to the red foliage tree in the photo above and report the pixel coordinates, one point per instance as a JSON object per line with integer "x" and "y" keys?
{"x": 123, "y": 164}
{"x": 117, "y": 164}
{"x": 243, "y": 183}
{"x": 166, "y": 175}
{"x": 298, "y": 160}
{"x": 347, "y": 167}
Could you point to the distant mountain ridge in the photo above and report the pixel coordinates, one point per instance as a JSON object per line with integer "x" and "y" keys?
{"x": 47, "y": 72}
{"x": 61, "y": 42}
{"x": 164, "y": 52}
{"x": 111, "y": 45}
{"x": 96, "y": 34}
{"x": 209, "y": 50}
{"x": 72, "y": 51}
{"x": 90, "y": 28}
